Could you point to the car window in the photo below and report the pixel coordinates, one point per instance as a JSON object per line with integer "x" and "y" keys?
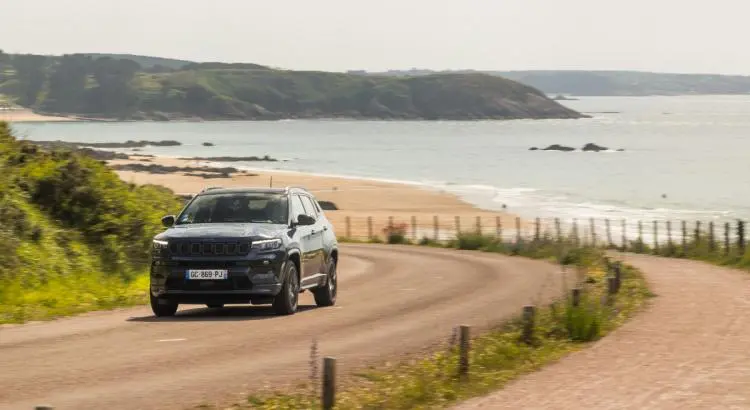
{"x": 309, "y": 206}
{"x": 236, "y": 207}
{"x": 297, "y": 207}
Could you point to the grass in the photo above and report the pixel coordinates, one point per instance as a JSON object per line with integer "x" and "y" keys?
{"x": 75, "y": 237}
{"x": 498, "y": 356}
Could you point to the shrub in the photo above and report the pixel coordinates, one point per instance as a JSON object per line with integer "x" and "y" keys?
{"x": 396, "y": 234}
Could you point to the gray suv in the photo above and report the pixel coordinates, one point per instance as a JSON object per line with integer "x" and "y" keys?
{"x": 245, "y": 245}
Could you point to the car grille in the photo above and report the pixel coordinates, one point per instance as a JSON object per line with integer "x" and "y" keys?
{"x": 197, "y": 248}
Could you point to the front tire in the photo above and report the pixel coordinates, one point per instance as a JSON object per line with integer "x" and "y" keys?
{"x": 326, "y": 294}
{"x": 286, "y": 301}
{"x": 161, "y": 307}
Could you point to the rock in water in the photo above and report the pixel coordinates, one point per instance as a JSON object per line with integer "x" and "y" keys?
{"x": 558, "y": 147}
{"x": 593, "y": 147}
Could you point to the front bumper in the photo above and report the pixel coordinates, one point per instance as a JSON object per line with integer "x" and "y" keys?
{"x": 247, "y": 279}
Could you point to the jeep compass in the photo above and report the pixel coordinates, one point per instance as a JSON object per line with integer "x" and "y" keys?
{"x": 244, "y": 245}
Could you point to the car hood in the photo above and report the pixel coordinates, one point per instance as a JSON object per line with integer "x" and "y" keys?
{"x": 222, "y": 231}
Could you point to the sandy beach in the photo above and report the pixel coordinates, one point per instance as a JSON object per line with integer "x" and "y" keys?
{"x": 25, "y": 115}
{"x": 355, "y": 199}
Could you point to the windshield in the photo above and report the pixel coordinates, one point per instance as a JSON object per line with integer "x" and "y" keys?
{"x": 236, "y": 207}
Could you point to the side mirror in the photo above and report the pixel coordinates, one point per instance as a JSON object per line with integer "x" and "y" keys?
{"x": 304, "y": 220}
{"x": 168, "y": 221}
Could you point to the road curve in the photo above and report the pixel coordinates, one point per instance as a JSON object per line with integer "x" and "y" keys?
{"x": 689, "y": 350}
{"x": 392, "y": 300}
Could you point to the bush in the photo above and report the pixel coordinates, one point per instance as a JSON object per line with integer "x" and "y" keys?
{"x": 396, "y": 234}
{"x": 75, "y": 237}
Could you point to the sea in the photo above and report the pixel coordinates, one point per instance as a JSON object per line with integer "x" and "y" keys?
{"x": 684, "y": 158}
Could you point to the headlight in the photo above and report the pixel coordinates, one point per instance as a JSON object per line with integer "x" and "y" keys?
{"x": 159, "y": 245}
{"x": 267, "y": 244}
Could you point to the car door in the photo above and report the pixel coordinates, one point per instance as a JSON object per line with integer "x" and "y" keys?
{"x": 316, "y": 235}
{"x": 304, "y": 237}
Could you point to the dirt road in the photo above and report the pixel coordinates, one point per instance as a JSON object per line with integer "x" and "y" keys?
{"x": 392, "y": 300}
{"x": 688, "y": 351}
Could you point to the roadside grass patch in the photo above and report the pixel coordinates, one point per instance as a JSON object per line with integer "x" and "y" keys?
{"x": 498, "y": 356}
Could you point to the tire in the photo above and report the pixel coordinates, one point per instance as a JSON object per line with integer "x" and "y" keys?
{"x": 162, "y": 308}
{"x": 326, "y": 294}
{"x": 285, "y": 303}
{"x": 215, "y": 305}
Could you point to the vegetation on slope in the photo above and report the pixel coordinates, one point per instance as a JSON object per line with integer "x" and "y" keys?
{"x": 107, "y": 87}
{"x": 75, "y": 237}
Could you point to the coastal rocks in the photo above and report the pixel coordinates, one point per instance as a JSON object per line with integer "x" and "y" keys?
{"x": 126, "y": 144}
{"x": 558, "y": 147}
{"x": 208, "y": 144}
{"x": 164, "y": 169}
{"x": 593, "y": 147}
{"x": 233, "y": 159}
{"x": 590, "y": 147}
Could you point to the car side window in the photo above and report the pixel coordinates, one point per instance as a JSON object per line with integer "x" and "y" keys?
{"x": 308, "y": 202}
{"x": 297, "y": 207}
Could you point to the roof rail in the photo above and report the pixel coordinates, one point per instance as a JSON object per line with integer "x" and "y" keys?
{"x": 211, "y": 188}
{"x": 295, "y": 187}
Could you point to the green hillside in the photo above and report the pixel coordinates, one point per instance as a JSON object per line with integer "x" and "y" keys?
{"x": 75, "y": 237}
{"x": 107, "y": 87}
{"x": 608, "y": 83}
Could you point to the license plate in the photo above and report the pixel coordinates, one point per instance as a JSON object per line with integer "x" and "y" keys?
{"x": 206, "y": 274}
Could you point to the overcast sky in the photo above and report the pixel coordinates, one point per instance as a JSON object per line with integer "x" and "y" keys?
{"x": 655, "y": 35}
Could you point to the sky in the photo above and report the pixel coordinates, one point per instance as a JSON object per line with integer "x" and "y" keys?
{"x": 685, "y": 36}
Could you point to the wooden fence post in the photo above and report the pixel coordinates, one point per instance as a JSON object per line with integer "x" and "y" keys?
{"x": 348, "y": 227}
{"x": 741, "y": 236}
{"x": 726, "y": 238}
{"x": 463, "y": 358}
{"x": 592, "y": 223}
{"x": 499, "y": 228}
{"x": 656, "y": 236}
{"x": 328, "y": 398}
{"x": 576, "y": 238}
{"x": 436, "y": 226}
{"x": 624, "y": 235}
{"x": 369, "y": 227}
{"x": 697, "y": 232}
{"x": 618, "y": 274}
{"x": 537, "y": 229}
{"x": 640, "y": 236}
{"x": 558, "y": 230}
{"x": 684, "y": 236}
{"x": 527, "y": 334}
{"x": 711, "y": 236}
{"x": 458, "y": 226}
{"x": 611, "y": 289}
{"x": 479, "y": 225}
{"x": 609, "y": 232}
{"x": 413, "y": 227}
{"x": 576, "y": 297}
{"x": 518, "y": 230}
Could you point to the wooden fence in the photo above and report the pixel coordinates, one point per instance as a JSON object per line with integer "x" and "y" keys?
{"x": 634, "y": 235}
